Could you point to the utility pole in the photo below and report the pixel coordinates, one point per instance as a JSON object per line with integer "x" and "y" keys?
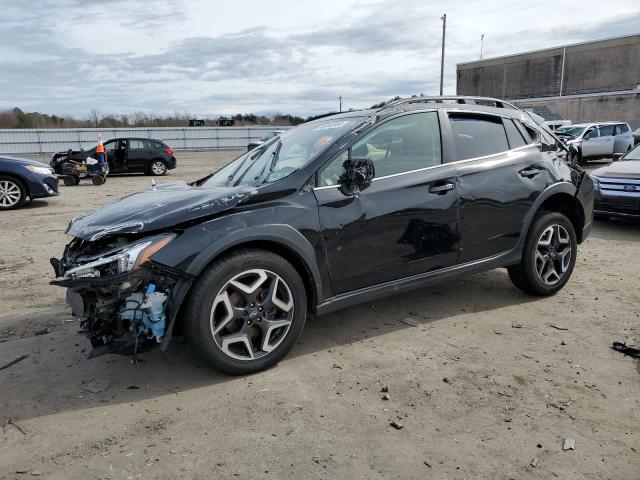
{"x": 481, "y": 44}
{"x": 340, "y": 98}
{"x": 444, "y": 32}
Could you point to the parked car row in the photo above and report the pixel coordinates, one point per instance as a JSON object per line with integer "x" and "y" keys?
{"x": 128, "y": 155}
{"x": 22, "y": 179}
{"x": 598, "y": 140}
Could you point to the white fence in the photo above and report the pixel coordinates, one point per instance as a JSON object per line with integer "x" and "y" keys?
{"x": 49, "y": 140}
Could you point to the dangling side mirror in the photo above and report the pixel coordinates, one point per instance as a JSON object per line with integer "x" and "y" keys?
{"x": 357, "y": 175}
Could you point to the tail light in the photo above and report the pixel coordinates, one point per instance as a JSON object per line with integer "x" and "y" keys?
{"x": 169, "y": 150}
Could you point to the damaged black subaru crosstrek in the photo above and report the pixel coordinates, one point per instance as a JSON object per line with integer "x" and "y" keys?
{"x": 338, "y": 211}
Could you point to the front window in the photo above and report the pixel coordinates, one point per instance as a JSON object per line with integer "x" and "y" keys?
{"x": 284, "y": 154}
{"x": 633, "y": 154}
{"x": 403, "y": 144}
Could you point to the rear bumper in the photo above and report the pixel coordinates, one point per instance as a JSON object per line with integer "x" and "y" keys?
{"x": 171, "y": 163}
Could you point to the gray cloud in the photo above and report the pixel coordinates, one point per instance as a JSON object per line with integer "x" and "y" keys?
{"x": 366, "y": 53}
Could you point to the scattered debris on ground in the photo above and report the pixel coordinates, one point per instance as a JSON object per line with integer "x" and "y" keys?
{"x": 627, "y": 349}
{"x": 568, "y": 444}
{"x": 96, "y": 386}
{"x": 14, "y": 361}
{"x": 396, "y": 424}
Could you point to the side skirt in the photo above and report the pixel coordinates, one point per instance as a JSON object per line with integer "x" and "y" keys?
{"x": 386, "y": 289}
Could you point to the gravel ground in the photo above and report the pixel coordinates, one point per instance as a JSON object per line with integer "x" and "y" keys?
{"x": 486, "y": 381}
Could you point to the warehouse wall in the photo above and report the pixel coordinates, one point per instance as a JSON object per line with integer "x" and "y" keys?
{"x": 601, "y": 66}
{"x": 601, "y": 108}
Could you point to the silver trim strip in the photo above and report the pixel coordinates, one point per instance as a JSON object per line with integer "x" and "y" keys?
{"x": 619, "y": 193}
{"x": 466, "y": 160}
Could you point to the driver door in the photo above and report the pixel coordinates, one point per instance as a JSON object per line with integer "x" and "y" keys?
{"x": 406, "y": 222}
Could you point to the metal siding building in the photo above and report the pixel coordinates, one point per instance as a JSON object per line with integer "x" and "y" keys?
{"x": 582, "y": 81}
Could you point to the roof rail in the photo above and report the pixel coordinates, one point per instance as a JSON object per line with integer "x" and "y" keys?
{"x": 487, "y": 101}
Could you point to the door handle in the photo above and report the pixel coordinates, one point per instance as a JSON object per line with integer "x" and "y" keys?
{"x": 441, "y": 188}
{"x": 529, "y": 172}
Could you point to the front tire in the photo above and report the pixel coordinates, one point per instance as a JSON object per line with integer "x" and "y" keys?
{"x": 158, "y": 168}
{"x": 13, "y": 194}
{"x": 246, "y": 311}
{"x": 549, "y": 255}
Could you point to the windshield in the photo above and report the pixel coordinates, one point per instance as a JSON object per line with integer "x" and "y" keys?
{"x": 284, "y": 154}
{"x": 633, "y": 154}
{"x": 573, "y": 131}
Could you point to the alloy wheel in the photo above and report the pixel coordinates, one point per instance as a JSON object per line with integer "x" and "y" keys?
{"x": 10, "y": 193}
{"x": 158, "y": 168}
{"x": 553, "y": 254}
{"x": 251, "y": 314}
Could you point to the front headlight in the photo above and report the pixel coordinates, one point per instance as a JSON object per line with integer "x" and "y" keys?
{"x": 596, "y": 182}
{"x": 125, "y": 260}
{"x": 40, "y": 170}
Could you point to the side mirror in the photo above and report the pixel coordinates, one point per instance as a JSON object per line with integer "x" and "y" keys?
{"x": 358, "y": 174}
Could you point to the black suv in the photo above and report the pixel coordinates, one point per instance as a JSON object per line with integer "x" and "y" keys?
{"x": 127, "y": 155}
{"x": 341, "y": 210}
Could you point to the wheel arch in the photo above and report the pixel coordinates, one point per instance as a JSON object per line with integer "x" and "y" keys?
{"x": 560, "y": 197}
{"x": 20, "y": 180}
{"x": 281, "y": 239}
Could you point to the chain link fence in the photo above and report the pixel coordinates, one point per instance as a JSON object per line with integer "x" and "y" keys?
{"x": 49, "y": 140}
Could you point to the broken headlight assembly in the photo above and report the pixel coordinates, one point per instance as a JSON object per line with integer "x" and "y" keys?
{"x": 123, "y": 260}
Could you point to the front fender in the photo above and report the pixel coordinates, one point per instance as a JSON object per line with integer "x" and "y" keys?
{"x": 281, "y": 234}
{"x": 192, "y": 251}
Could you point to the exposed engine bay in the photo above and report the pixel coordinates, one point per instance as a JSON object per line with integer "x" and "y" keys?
{"x": 119, "y": 295}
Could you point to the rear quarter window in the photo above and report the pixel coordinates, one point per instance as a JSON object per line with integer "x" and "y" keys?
{"x": 513, "y": 134}
{"x": 478, "y": 135}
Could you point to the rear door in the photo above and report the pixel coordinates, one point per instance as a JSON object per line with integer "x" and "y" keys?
{"x": 623, "y": 138}
{"x": 500, "y": 174}
{"x": 405, "y": 223}
{"x": 138, "y": 154}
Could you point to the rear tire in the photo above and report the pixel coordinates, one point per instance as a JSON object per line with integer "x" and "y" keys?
{"x": 13, "y": 193}
{"x": 548, "y": 257}
{"x": 245, "y": 311}
{"x": 158, "y": 168}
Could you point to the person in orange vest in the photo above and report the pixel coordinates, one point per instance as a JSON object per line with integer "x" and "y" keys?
{"x": 101, "y": 153}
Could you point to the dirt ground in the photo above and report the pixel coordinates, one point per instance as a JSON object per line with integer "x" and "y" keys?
{"x": 483, "y": 384}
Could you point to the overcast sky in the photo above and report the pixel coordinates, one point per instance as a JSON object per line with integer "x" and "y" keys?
{"x": 205, "y": 58}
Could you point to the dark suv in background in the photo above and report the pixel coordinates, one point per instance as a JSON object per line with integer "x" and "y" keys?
{"x": 341, "y": 210}
{"x": 130, "y": 155}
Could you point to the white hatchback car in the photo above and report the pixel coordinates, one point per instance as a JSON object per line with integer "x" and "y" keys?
{"x": 598, "y": 140}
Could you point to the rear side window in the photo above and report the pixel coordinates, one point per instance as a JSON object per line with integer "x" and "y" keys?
{"x": 622, "y": 128}
{"x": 513, "y": 134}
{"x": 606, "y": 130}
{"x": 136, "y": 144}
{"x": 478, "y": 135}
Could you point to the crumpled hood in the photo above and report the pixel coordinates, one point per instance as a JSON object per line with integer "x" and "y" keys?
{"x": 162, "y": 206}
{"x": 620, "y": 169}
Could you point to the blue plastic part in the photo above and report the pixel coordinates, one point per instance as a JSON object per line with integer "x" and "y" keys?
{"x": 149, "y": 310}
